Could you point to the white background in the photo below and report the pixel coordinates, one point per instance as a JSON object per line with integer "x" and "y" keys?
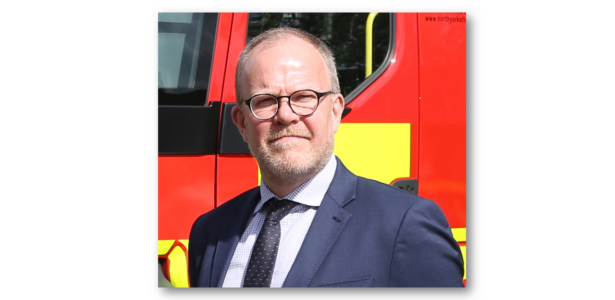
{"x": 78, "y": 161}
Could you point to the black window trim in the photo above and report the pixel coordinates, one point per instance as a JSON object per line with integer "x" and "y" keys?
{"x": 191, "y": 129}
{"x": 385, "y": 65}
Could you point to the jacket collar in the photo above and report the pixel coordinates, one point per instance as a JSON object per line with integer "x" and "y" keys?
{"x": 343, "y": 188}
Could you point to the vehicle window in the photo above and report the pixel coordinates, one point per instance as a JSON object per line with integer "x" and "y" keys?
{"x": 185, "y": 52}
{"x": 344, "y": 33}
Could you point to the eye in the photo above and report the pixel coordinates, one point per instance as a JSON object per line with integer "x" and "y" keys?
{"x": 304, "y": 97}
{"x": 264, "y": 101}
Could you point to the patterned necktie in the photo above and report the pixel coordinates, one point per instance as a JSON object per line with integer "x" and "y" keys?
{"x": 262, "y": 260}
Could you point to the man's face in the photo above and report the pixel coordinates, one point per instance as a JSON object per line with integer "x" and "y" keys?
{"x": 288, "y": 146}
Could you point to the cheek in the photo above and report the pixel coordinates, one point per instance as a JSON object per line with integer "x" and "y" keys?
{"x": 258, "y": 132}
{"x": 320, "y": 128}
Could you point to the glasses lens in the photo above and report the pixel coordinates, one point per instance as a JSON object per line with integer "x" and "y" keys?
{"x": 264, "y": 106}
{"x": 304, "y": 102}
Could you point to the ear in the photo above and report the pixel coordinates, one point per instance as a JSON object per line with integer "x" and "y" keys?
{"x": 338, "y": 109}
{"x": 239, "y": 118}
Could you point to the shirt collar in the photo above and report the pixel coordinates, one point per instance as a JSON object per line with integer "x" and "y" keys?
{"x": 309, "y": 193}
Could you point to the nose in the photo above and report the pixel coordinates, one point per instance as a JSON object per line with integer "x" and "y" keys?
{"x": 285, "y": 114}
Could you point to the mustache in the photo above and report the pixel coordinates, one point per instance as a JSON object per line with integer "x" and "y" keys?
{"x": 288, "y": 131}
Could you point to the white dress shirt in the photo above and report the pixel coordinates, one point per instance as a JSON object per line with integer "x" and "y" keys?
{"x": 293, "y": 226}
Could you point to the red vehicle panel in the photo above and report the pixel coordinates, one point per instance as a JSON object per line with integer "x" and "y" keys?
{"x": 223, "y": 38}
{"x": 186, "y": 189}
{"x": 442, "y": 155}
{"x": 236, "y": 174}
{"x": 238, "y": 41}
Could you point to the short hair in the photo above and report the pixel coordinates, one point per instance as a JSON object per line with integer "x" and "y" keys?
{"x": 277, "y": 35}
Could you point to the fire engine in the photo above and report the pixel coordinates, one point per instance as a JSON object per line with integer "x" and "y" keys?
{"x": 403, "y": 76}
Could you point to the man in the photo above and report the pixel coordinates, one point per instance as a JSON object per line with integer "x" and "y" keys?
{"x": 338, "y": 230}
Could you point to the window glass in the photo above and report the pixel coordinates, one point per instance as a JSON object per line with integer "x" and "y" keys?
{"x": 344, "y": 33}
{"x": 185, "y": 51}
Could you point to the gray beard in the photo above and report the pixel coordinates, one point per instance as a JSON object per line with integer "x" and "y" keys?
{"x": 278, "y": 167}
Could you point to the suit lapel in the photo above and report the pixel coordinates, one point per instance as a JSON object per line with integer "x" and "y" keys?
{"x": 329, "y": 221}
{"x": 231, "y": 232}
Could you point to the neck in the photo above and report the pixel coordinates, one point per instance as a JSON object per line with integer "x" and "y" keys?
{"x": 281, "y": 179}
{"x": 281, "y": 186}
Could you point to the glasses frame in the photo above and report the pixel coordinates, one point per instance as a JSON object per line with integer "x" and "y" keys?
{"x": 319, "y": 95}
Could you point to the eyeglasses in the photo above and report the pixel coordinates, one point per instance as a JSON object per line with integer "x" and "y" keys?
{"x": 302, "y": 102}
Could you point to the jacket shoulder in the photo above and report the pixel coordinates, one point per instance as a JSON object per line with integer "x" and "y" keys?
{"x": 378, "y": 190}
{"x": 222, "y": 211}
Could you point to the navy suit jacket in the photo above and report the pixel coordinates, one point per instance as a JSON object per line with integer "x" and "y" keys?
{"x": 364, "y": 234}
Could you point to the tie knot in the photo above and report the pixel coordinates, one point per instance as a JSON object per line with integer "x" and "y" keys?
{"x": 278, "y": 209}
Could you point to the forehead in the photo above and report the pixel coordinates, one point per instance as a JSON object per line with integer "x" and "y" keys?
{"x": 288, "y": 62}
{"x": 290, "y": 45}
